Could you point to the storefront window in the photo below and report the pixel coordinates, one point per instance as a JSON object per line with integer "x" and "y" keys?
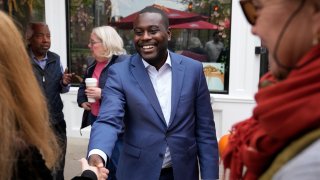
{"x": 24, "y": 11}
{"x": 200, "y": 29}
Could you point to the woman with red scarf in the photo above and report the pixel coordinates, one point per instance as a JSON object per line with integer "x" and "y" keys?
{"x": 282, "y": 138}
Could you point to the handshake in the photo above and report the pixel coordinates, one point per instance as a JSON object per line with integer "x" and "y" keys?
{"x": 97, "y": 171}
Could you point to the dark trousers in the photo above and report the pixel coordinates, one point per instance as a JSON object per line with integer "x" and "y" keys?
{"x": 166, "y": 174}
{"x": 61, "y": 134}
{"x": 112, "y": 170}
{"x": 112, "y": 164}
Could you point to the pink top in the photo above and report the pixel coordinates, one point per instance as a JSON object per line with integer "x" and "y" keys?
{"x": 96, "y": 74}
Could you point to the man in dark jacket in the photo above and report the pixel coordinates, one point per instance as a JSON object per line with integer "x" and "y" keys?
{"x": 53, "y": 81}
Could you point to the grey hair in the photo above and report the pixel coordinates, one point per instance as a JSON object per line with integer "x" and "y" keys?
{"x": 30, "y": 30}
{"x": 195, "y": 42}
{"x": 111, "y": 40}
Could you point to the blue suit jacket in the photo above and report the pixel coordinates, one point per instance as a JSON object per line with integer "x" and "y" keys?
{"x": 130, "y": 103}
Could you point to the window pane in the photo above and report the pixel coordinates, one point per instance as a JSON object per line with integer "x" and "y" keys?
{"x": 24, "y": 11}
{"x": 203, "y": 34}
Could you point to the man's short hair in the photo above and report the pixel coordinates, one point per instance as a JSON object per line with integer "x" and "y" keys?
{"x": 30, "y": 30}
{"x": 153, "y": 9}
{"x": 215, "y": 33}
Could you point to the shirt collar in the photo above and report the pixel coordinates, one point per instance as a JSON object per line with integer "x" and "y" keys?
{"x": 34, "y": 57}
{"x": 168, "y": 61}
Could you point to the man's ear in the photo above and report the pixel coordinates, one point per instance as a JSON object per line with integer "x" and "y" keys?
{"x": 27, "y": 42}
{"x": 169, "y": 33}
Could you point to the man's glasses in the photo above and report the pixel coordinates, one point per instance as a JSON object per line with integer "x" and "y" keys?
{"x": 249, "y": 11}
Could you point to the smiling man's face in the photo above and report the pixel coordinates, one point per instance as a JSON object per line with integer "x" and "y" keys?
{"x": 151, "y": 38}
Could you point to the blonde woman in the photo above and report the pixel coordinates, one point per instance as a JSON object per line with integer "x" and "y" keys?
{"x": 24, "y": 130}
{"x": 28, "y": 145}
{"x": 106, "y": 47}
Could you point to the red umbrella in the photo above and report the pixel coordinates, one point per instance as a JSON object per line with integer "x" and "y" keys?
{"x": 175, "y": 17}
{"x": 200, "y": 24}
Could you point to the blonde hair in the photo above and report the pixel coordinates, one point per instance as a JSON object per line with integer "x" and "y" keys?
{"x": 111, "y": 40}
{"x": 23, "y": 114}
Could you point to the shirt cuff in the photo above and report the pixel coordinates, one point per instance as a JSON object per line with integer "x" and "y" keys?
{"x": 100, "y": 153}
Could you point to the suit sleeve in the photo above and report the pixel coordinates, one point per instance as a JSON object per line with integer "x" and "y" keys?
{"x": 205, "y": 132}
{"x": 109, "y": 123}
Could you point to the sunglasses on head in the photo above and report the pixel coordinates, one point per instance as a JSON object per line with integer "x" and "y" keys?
{"x": 249, "y": 11}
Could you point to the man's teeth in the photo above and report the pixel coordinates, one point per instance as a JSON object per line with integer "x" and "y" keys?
{"x": 147, "y": 47}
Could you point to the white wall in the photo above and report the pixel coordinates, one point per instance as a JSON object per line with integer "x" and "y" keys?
{"x": 244, "y": 75}
{"x": 56, "y": 20}
{"x": 228, "y": 109}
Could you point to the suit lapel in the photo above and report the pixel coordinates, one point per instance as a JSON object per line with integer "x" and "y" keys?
{"x": 141, "y": 75}
{"x": 177, "y": 80}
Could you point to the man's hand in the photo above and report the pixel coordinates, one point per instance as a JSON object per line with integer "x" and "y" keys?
{"x": 66, "y": 78}
{"x": 95, "y": 160}
{"x": 100, "y": 170}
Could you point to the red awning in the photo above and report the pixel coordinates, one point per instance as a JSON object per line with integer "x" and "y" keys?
{"x": 200, "y": 24}
{"x": 175, "y": 17}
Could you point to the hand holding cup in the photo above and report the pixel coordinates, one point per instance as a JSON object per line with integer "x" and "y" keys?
{"x": 91, "y": 82}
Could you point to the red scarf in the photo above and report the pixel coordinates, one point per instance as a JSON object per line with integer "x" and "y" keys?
{"x": 285, "y": 111}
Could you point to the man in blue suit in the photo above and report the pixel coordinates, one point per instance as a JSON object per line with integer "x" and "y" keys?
{"x": 161, "y": 101}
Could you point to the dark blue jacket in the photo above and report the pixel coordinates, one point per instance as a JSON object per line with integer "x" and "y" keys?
{"x": 102, "y": 80}
{"x": 50, "y": 81}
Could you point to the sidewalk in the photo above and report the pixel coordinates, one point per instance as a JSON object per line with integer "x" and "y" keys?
{"x": 76, "y": 149}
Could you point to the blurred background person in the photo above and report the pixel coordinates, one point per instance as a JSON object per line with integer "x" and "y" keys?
{"x": 282, "y": 138}
{"x": 106, "y": 47}
{"x": 29, "y": 148}
{"x": 214, "y": 47}
{"x": 52, "y": 79}
{"x": 195, "y": 50}
{"x": 195, "y": 46}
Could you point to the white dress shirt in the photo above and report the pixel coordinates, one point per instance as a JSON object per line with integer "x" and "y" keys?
{"x": 162, "y": 81}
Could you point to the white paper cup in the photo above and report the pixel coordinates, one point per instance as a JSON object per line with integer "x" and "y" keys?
{"x": 91, "y": 82}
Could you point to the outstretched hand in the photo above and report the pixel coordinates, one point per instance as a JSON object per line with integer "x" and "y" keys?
{"x": 98, "y": 169}
{"x": 66, "y": 78}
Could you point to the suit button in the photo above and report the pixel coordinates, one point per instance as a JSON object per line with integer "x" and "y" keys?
{"x": 161, "y": 155}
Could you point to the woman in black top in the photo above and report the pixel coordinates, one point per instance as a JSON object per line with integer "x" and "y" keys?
{"x": 28, "y": 145}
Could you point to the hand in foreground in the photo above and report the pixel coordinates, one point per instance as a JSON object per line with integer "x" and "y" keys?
{"x": 99, "y": 169}
{"x": 93, "y": 92}
{"x": 66, "y": 78}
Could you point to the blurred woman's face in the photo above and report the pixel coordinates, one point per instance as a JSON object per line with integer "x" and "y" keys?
{"x": 273, "y": 18}
{"x": 96, "y": 47}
